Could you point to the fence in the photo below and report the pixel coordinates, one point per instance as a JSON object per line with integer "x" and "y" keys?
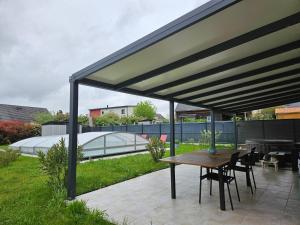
{"x": 265, "y": 129}
{"x": 183, "y": 131}
{"x": 268, "y": 129}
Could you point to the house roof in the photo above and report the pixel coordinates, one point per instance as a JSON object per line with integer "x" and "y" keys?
{"x": 226, "y": 55}
{"x": 159, "y": 116}
{"x": 187, "y": 108}
{"x": 21, "y": 113}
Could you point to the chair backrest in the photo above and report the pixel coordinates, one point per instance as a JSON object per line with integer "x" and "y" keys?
{"x": 251, "y": 159}
{"x": 233, "y": 160}
{"x": 163, "y": 138}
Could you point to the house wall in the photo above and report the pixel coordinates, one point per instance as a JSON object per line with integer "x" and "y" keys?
{"x": 288, "y": 113}
{"x": 95, "y": 113}
{"x": 128, "y": 111}
{"x": 285, "y": 116}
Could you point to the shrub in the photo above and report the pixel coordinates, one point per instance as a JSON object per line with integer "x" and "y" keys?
{"x": 55, "y": 164}
{"x": 156, "y": 148}
{"x": 8, "y": 156}
{"x": 107, "y": 119}
{"x": 12, "y": 131}
{"x": 205, "y": 137}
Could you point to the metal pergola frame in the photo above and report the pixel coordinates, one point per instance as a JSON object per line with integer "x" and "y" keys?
{"x": 251, "y": 85}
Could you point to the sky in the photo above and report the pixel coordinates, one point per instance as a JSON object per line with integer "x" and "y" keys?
{"x": 42, "y": 43}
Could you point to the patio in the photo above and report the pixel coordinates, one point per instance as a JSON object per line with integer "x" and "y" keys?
{"x": 146, "y": 199}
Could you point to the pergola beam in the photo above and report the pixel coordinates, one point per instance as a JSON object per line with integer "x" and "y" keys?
{"x": 228, "y": 66}
{"x": 245, "y": 84}
{"x": 254, "y": 90}
{"x": 265, "y": 105}
{"x": 257, "y": 95}
{"x": 264, "y": 98}
{"x": 239, "y": 40}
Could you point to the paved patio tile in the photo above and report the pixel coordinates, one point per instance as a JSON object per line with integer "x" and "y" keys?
{"x": 146, "y": 200}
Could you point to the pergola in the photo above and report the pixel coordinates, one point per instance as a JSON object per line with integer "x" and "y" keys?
{"x": 226, "y": 55}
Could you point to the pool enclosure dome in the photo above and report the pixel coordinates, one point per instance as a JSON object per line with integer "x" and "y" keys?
{"x": 94, "y": 144}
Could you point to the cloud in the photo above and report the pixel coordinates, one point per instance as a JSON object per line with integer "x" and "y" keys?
{"x": 43, "y": 42}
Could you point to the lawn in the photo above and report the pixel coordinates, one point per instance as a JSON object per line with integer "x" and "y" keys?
{"x": 26, "y": 199}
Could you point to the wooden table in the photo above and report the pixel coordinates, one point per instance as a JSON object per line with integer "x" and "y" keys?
{"x": 203, "y": 159}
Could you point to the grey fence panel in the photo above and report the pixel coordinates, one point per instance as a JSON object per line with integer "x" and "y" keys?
{"x": 271, "y": 129}
{"x": 279, "y": 129}
{"x": 135, "y": 129}
{"x": 297, "y": 130}
{"x": 249, "y": 130}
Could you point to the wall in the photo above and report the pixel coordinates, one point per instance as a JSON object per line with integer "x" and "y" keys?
{"x": 128, "y": 111}
{"x": 55, "y": 129}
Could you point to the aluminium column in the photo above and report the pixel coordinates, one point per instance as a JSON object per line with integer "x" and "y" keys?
{"x": 212, "y": 129}
{"x": 73, "y": 127}
{"x": 172, "y": 149}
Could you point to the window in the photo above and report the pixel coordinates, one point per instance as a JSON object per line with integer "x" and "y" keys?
{"x": 123, "y": 111}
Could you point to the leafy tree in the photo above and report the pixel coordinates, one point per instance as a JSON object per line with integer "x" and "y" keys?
{"x": 83, "y": 120}
{"x": 107, "y": 119}
{"x": 43, "y": 117}
{"x": 264, "y": 114}
{"x": 129, "y": 120}
{"x": 145, "y": 110}
{"x": 61, "y": 117}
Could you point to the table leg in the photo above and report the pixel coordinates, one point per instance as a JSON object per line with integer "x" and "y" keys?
{"x": 173, "y": 183}
{"x": 221, "y": 189}
{"x": 248, "y": 181}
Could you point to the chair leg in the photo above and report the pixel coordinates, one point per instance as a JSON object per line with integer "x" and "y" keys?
{"x": 229, "y": 195}
{"x": 253, "y": 178}
{"x": 210, "y": 187}
{"x": 251, "y": 188}
{"x": 200, "y": 185}
{"x": 237, "y": 190}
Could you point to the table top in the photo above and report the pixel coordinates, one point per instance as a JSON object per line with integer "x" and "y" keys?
{"x": 203, "y": 158}
{"x": 269, "y": 141}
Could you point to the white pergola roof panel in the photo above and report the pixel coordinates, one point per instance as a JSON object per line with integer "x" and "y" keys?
{"x": 205, "y": 51}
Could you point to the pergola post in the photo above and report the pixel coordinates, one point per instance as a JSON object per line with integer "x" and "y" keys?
{"x": 235, "y": 133}
{"x": 213, "y": 134}
{"x": 73, "y": 127}
{"x": 172, "y": 149}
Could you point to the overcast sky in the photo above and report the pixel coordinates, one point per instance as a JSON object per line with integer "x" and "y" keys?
{"x": 43, "y": 42}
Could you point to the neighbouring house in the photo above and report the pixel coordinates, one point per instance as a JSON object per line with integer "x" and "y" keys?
{"x": 20, "y": 113}
{"x": 187, "y": 111}
{"x": 126, "y": 110}
{"x": 290, "y": 111}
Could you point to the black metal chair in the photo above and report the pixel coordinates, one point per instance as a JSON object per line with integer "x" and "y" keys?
{"x": 227, "y": 179}
{"x": 249, "y": 162}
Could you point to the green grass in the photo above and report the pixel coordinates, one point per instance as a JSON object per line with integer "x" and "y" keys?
{"x": 26, "y": 199}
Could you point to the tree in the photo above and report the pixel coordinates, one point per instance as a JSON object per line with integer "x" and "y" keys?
{"x": 83, "y": 120}
{"x": 107, "y": 119}
{"x": 43, "y": 117}
{"x": 264, "y": 114}
{"x": 145, "y": 110}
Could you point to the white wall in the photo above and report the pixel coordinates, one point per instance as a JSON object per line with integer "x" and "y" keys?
{"x": 118, "y": 111}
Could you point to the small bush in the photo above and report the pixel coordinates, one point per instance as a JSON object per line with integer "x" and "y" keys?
{"x": 156, "y": 148}
{"x": 8, "y": 156}
{"x": 55, "y": 165}
{"x": 12, "y": 131}
{"x": 205, "y": 137}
